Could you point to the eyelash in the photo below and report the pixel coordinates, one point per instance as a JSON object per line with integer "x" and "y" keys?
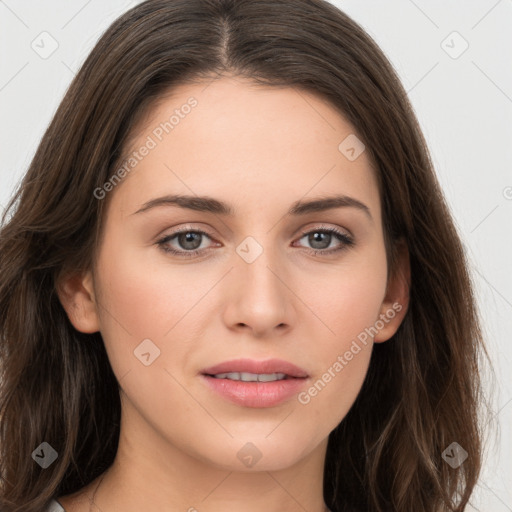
{"x": 346, "y": 240}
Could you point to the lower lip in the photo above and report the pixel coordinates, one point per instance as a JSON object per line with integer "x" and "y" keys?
{"x": 256, "y": 394}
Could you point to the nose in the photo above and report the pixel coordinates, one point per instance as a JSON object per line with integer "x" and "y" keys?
{"x": 260, "y": 300}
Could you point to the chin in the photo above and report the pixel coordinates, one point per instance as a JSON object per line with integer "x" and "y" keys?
{"x": 252, "y": 453}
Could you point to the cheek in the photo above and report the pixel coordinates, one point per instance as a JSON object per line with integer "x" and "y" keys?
{"x": 348, "y": 305}
{"x": 341, "y": 359}
{"x": 145, "y": 291}
{"x": 348, "y": 299}
{"x": 334, "y": 390}
{"x": 140, "y": 300}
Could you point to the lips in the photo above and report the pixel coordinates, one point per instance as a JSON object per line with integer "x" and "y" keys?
{"x": 260, "y": 367}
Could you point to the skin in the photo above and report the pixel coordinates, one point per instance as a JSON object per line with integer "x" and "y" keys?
{"x": 259, "y": 149}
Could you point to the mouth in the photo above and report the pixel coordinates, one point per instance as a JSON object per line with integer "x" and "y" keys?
{"x": 251, "y": 383}
{"x": 252, "y": 377}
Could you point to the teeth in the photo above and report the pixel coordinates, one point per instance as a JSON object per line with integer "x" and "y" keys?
{"x": 251, "y": 377}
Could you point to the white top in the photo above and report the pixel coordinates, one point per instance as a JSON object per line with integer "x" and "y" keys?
{"x": 55, "y": 507}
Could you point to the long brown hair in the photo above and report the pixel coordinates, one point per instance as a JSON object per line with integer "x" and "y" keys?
{"x": 423, "y": 387}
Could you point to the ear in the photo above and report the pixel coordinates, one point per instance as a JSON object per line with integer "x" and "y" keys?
{"x": 76, "y": 294}
{"x": 396, "y": 302}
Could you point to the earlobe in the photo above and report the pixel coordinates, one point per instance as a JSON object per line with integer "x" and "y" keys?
{"x": 76, "y": 294}
{"x": 396, "y": 302}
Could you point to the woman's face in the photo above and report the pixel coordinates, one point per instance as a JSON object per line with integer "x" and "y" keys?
{"x": 245, "y": 282}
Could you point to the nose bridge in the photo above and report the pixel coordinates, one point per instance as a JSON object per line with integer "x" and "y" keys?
{"x": 260, "y": 261}
{"x": 260, "y": 299}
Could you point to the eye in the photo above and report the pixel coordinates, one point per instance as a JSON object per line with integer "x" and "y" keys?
{"x": 189, "y": 241}
{"x": 321, "y": 238}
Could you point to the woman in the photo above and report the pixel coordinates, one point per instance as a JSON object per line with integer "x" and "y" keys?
{"x": 230, "y": 280}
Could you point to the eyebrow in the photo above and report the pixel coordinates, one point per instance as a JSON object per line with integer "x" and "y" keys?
{"x": 211, "y": 205}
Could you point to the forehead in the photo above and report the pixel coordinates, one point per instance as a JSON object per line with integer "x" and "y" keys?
{"x": 247, "y": 144}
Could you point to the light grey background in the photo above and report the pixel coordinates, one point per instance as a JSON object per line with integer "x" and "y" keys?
{"x": 463, "y": 101}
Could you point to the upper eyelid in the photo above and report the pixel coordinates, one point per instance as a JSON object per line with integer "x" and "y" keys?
{"x": 302, "y": 231}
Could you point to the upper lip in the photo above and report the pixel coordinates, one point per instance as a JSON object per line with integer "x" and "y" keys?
{"x": 254, "y": 366}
